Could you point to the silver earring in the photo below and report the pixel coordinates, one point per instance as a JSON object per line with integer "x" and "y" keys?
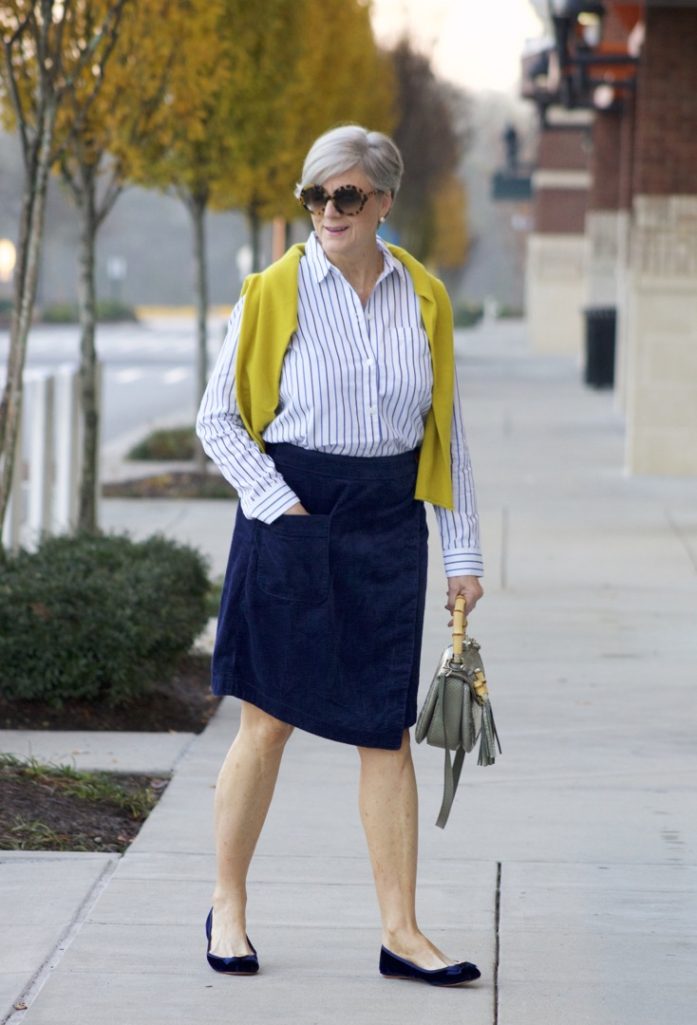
{"x": 382, "y": 220}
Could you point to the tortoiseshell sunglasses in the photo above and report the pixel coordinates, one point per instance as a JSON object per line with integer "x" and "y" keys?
{"x": 347, "y": 199}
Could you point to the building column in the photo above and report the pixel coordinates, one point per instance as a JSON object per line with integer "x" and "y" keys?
{"x": 605, "y": 221}
{"x": 661, "y": 368}
{"x": 624, "y": 306}
{"x": 555, "y": 287}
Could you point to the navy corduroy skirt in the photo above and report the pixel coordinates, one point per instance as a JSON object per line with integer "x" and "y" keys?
{"x": 321, "y": 616}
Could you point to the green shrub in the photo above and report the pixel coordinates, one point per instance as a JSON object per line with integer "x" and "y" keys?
{"x": 468, "y": 314}
{"x": 215, "y": 591}
{"x": 60, "y": 313}
{"x": 97, "y": 618}
{"x": 114, "y": 311}
{"x": 108, "y": 310}
{"x": 510, "y": 313}
{"x": 177, "y": 443}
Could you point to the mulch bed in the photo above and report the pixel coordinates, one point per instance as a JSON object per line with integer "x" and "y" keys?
{"x": 182, "y": 703}
{"x": 37, "y": 814}
{"x": 40, "y": 813}
{"x": 172, "y": 484}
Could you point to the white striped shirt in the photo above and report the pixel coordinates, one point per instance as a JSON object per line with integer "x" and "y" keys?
{"x": 356, "y": 381}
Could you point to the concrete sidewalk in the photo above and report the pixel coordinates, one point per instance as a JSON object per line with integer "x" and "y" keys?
{"x": 567, "y": 870}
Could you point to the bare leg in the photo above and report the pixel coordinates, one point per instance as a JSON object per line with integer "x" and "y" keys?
{"x": 389, "y": 812}
{"x": 243, "y": 794}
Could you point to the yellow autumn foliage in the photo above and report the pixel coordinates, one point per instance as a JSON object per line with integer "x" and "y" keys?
{"x": 164, "y": 74}
{"x": 450, "y": 233}
{"x": 222, "y": 99}
{"x": 79, "y": 40}
{"x": 314, "y": 67}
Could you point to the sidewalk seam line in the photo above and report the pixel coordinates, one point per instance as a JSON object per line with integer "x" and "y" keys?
{"x": 183, "y": 752}
{"x": 41, "y": 976}
{"x": 497, "y": 941}
{"x": 682, "y": 538}
{"x": 504, "y": 547}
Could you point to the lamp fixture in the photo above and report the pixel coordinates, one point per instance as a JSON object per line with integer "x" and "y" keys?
{"x": 8, "y": 258}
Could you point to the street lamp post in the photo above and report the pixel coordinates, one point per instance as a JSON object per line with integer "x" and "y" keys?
{"x": 8, "y": 258}
{"x": 116, "y": 268}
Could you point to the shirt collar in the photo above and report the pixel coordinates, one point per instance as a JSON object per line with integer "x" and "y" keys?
{"x": 321, "y": 266}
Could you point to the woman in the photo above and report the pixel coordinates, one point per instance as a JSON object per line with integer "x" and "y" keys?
{"x": 333, "y": 410}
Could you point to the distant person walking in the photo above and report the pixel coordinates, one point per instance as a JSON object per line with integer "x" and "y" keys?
{"x": 334, "y": 411}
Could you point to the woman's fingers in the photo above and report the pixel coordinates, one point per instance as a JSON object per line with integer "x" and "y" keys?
{"x": 467, "y": 586}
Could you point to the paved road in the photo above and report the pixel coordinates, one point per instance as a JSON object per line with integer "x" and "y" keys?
{"x": 148, "y": 369}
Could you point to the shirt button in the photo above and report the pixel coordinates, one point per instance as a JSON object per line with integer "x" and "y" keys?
{"x": 369, "y": 362}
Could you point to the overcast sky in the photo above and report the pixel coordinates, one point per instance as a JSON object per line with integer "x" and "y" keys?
{"x": 475, "y": 44}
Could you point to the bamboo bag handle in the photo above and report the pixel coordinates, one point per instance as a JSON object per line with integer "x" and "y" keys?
{"x": 459, "y": 625}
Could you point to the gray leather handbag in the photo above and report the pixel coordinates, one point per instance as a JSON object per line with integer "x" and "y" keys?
{"x": 457, "y": 709}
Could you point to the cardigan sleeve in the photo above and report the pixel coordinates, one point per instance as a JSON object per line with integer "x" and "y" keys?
{"x": 459, "y": 528}
{"x": 263, "y": 493}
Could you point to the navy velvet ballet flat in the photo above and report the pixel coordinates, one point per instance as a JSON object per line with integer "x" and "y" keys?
{"x": 248, "y": 964}
{"x": 394, "y": 967}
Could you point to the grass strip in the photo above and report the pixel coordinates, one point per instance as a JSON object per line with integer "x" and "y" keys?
{"x": 58, "y": 807}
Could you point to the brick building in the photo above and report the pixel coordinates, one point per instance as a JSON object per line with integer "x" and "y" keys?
{"x": 615, "y": 208}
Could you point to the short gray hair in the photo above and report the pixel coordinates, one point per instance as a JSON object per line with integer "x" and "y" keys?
{"x": 340, "y": 149}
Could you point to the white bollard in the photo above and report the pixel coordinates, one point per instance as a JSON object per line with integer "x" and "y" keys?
{"x": 40, "y": 410}
{"x": 67, "y": 452}
{"x": 53, "y": 424}
{"x": 12, "y": 527}
{"x": 491, "y": 309}
{"x": 98, "y": 482}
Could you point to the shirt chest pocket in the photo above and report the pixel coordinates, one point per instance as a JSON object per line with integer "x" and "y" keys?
{"x": 409, "y": 369}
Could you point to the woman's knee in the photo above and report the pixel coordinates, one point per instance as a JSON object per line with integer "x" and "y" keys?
{"x": 262, "y": 729}
{"x": 381, "y": 754}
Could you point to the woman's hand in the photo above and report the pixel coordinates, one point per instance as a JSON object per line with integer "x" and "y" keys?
{"x": 469, "y": 587}
{"x": 296, "y": 510}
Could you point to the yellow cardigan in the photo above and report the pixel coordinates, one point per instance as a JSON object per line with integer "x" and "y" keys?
{"x": 269, "y": 320}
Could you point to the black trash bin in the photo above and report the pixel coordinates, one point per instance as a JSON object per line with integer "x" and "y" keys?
{"x": 601, "y": 324}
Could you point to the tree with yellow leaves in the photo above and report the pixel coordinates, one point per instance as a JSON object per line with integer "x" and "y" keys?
{"x": 155, "y": 87}
{"x": 277, "y": 82}
{"x": 432, "y": 132}
{"x": 48, "y": 46}
{"x": 312, "y": 71}
{"x": 450, "y": 236}
{"x": 190, "y": 147}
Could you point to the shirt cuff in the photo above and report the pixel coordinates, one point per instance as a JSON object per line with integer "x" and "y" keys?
{"x": 269, "y": 502}
{"x": 462, "y": 562}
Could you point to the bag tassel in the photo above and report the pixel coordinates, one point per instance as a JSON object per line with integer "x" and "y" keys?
{"x": 489, "y": 738}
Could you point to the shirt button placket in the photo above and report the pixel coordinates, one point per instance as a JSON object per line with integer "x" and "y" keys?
{"x": 371, "y": 367}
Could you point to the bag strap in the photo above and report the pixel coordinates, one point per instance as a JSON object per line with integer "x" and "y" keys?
{"x": 452, "y": 769}
{"x": 451, "y": 778}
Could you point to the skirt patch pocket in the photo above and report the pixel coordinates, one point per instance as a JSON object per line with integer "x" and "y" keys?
{"x": 293, "y": 558}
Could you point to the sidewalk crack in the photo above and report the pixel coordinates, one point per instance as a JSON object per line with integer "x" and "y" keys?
{"x": 682, "y": 538}
{"x": 497, "y": 941}
{"x": 505, "y": 519}
{"x": 23, "y": 1002}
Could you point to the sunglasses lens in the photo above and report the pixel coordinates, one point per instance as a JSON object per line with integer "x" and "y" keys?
{"x": 314, "y": 198}
{"x": 348, "y": 200}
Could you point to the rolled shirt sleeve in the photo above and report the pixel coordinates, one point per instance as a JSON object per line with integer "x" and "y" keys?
{"x": 263, "y": 493}
{"x": 459, "y": 527}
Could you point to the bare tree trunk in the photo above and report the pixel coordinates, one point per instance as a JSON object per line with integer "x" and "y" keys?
{"x": 37, "y": 34}
{"x": 29, "y": 249}
{"x": 89, "y": 385}
{"x": 254, "y": 222}
{"x": 197, "y": 206}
